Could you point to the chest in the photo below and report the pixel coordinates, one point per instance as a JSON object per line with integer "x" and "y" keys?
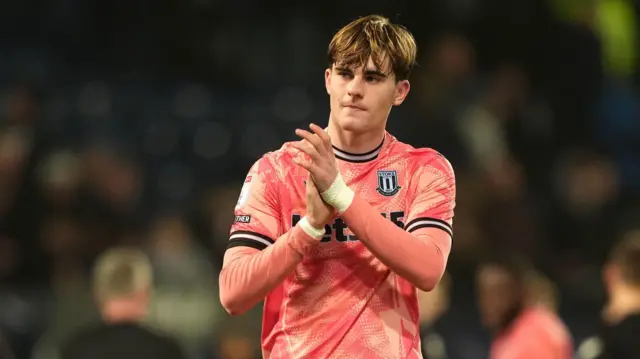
{"x": 384, "y": 185}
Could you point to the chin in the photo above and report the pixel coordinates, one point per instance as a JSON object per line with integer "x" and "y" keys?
{"x": 354, "y": 123}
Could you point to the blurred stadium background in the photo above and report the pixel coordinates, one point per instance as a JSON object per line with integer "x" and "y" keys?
{"x": 134, "y": 122}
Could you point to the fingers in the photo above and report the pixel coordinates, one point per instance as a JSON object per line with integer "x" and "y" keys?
{"x": 306, "y": 147}
{"x": 312, "y": 139}
{"x": 307, "y": 165}
{"x": 326, "y": 140}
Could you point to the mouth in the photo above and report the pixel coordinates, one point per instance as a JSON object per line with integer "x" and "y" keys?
{"x": 354, "y": 107}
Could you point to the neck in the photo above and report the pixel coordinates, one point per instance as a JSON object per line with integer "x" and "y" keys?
{"x": 123, "y": 311}
{"x": 623, "y": 302}
{"x": 353, "y": 142}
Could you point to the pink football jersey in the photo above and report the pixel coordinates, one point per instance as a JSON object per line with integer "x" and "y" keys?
{"x": 536, "y": 333}
{"x": 341, "y": 301}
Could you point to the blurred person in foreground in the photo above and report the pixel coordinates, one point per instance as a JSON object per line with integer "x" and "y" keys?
{"x": 522, "y": 322}
{"x": 334, "y": 291}
{"x": 433, "y": 305}
{"x": 619, "y": 337}
{"x": 122, "y": 283}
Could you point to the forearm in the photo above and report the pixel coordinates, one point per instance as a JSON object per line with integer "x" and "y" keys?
{"x": 420, "y": 259}
{"x": 248, "y": 275}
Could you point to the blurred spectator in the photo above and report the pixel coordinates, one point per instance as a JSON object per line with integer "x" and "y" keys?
{"x": 543, "y": 292}
{"x": 114, "y": 178}
{"x": 587, "y": 189}
{"x": 618, "y": 337}
{"x": 432, "y": 306}
{"x": 443, "y": 86}
{"x": 183, "y": 303}
{"x": 520, "y": 328}
{"x": 483, "y": 126}
{"x": 122, "y": 283}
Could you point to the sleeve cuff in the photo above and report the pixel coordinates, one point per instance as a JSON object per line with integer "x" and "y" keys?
{"x": 428, "y": 222}
{"x": 249, "y": 239}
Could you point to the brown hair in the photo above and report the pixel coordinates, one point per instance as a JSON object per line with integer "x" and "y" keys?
{"x": 626, "y": 256}
{"x": 376, "y": 37}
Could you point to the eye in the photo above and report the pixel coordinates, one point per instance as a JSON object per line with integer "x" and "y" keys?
{"x": 372, "y": 79}
{"x": 345, "y": 74}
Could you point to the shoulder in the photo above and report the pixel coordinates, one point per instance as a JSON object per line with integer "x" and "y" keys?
{"x": 270, "y": 175}
{"x": 82, "y": 339}
{"x": 630, "y": 323}
{"x": 98, "y": 332}
{"x": 157, "y": 341}
{"x": 424, "y": 159}
{"x": 545, "y": 323}
{"x": 624, "y": 331}
{"x": 276, "y": 162}
{"x": 85, "y": 341}
{"x": 430, "y": 158}
{"x": 85, "y": 333}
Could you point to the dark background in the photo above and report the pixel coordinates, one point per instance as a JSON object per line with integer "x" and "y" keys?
{"x": 134, "y": 122}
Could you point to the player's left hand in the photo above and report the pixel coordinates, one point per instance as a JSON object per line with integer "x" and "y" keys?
{"x": 321, "y": 163}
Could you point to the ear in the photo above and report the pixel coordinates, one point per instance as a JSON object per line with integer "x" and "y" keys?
{"x": 327, "y": 80}
{"x": 402, "y": 90}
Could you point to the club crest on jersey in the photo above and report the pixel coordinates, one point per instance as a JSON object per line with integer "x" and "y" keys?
{"x": 388, "y": 182}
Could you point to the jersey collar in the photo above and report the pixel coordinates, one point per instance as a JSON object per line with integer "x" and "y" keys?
{"x": 358, "y": 157}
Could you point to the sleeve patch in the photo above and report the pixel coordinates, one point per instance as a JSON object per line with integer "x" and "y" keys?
{"x": 242, "y": 219}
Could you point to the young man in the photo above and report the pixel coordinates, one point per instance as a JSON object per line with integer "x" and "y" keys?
{"x": 339, "y": 229}
{"x": 522, "y": 325}
{"x": 122, "y": 282}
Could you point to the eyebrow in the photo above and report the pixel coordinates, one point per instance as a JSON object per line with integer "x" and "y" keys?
{"x": 367, "y": 72}
{"x": 374, "y": 72}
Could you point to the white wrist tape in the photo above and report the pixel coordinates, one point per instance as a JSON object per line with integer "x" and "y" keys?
{"x": 313, "y": 232}
{"x": 339, "y": 195}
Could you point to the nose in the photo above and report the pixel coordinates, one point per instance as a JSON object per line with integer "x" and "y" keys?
{"x": 355, "y": 87}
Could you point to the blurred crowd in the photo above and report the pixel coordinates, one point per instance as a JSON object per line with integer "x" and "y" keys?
{"x": 134, "y": 123}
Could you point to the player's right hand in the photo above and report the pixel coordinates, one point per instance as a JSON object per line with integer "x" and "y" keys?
{"x": 318, "y": 212}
